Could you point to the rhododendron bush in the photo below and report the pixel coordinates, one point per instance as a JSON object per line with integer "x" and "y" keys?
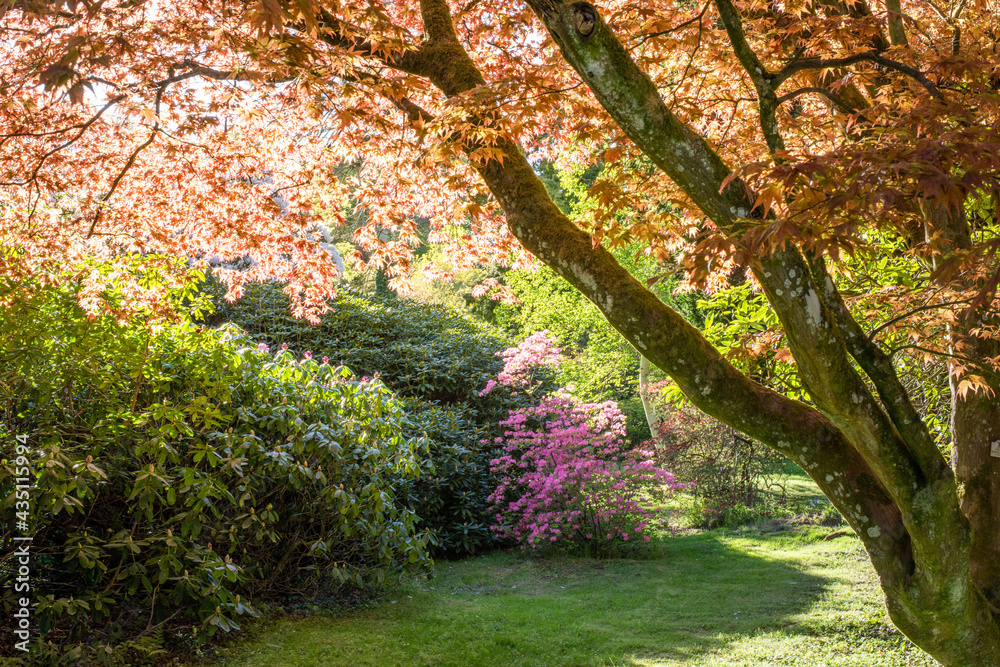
{"x": 184, "y": 476}
{"x": 524, "y": 363}
{"x": 434, "y": 360}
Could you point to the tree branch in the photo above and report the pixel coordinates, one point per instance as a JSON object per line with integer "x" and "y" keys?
{"x": 436, "y": 16}
{"x": 878, "y": 366}
{"x": 894, "y": 18}
{"x": 83, "y": 129}
{"x": 931, "y": 306}
{"x": 121, "y": 175}
{"x": 129, "y": 162}
{"x": 195, "y": 69}
{"x": 869, "y": 56}
{"x": 334, "y": 32}
{"x": 767, "y": 101}
{"x": 680, "y": 26}
{"x": 843, "y": 106}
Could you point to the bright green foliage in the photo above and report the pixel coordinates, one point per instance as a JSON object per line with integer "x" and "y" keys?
{"x": 457, "y": 292}
{"x": 181, "y": 473}
{"x": 740, "y": 320}
{"x": 600, "y": 364}
{"x": 433, "y": 357}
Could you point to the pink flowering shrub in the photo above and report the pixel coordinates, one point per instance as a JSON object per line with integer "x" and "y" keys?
{"x": 566, "y": 480}
{"x": 522, "y": 363}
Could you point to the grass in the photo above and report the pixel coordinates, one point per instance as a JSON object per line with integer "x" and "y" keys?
{"x": 723, "y": 598}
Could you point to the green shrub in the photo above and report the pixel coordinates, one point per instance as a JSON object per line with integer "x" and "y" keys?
{"x": 450, "y": 497}
{"x": 181, "y": 473}
{"x": 636, "y": 426}
{"x": 734, "y": 479}
{"x": 433, "y": 357}
{"x": 418, "y": 350}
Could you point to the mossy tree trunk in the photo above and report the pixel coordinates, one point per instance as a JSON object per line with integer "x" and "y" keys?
{"x": 932, "y": 538}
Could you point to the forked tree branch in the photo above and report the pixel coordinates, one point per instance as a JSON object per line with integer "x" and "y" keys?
{"x": 879, "y": 368}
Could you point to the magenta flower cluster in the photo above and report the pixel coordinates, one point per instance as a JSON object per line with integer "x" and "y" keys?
{"x": 523, "y": 361}
{"x": 566, "y": 478}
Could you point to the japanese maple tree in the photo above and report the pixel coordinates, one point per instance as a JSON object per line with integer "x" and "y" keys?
{"x": 794, "y": 144}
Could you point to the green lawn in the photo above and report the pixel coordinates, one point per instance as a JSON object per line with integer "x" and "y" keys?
{"x": 714, "y": 598}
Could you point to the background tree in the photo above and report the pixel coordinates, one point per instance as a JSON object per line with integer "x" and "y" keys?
{"x": 791, "y": 135}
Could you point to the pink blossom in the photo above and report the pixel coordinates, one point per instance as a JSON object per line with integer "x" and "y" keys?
{"x": 566, "y": 475}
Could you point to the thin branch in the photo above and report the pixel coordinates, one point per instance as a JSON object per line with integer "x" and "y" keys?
{"x": 767, "y": 100}
{"x": 680, "y": 26}
{"x": 869, "y": 56}
{"x": 334, "y": 32}
{"x": 197, "y": 69}
{"x": 413, "y": 111}
{"x": 288, "y": 187}
{"x": 942, "y": 14}
{"x": 129, "y": 162}
{"x": 814, "y": 89}
{"x": 888, "y": 323}
{"x": 468, "y": 8}
{"x": 193, "y": 70}
{"x": 978, "y": 364}
{"x": 14, "y": 135}
{"x": 687, "y": 67}
{"x": 121, "y": 176}
{"x": 83, "y": 128}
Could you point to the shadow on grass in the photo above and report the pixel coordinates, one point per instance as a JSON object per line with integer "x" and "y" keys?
{"x": 695, "y": 596}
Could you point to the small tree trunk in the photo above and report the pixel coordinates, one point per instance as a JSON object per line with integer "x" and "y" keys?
{"x": 648, "y": 407}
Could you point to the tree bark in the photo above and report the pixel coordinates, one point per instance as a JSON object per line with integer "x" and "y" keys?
{"x": 976, "y": 459}
{"x": 975, "y": 421}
